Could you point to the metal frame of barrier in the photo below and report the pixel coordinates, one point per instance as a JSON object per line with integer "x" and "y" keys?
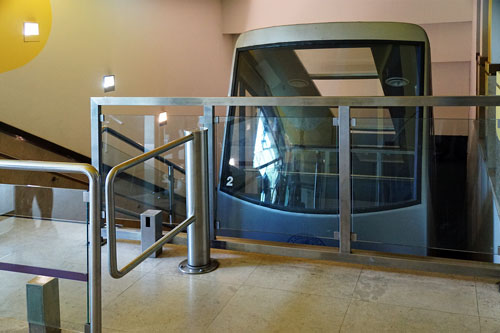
{"x": 198, "y": 261}
{"x": 344, "y": 104}
{"x": 94, "y": 279}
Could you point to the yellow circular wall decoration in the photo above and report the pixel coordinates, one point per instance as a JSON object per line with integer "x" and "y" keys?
{"x": 14, "y": 50}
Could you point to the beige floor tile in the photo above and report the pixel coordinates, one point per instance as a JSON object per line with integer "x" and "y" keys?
{"x": 231, "y": 270}
{"x": 421, "y": 320}
{"x": 58, "y": 245}
{"x": 112, "y": 288}
{"x": 72, "y": 327}
{"x": 488, "y": 298}
{"x": 73, "y": 304}
{"x": 314, "y": 278}
{"x": 161, "y": 303}
{"x": 248, "y": 292}
{"x": 234, "y": 267}
{"x": 434, "y": 293}
{"x": 73, "y": 297}
{"x": 377, "y": 317}
{"x": 110, "y": 330}
{"x": 13, "y": 325}
{"x": 170, "y": 258}
{"x": 255, "y": 309}
{"x": 490, "y": 325}
{"x": 13, "y": 303}
{"x": 126, "y": 251}
{"x": 10, "y": 281}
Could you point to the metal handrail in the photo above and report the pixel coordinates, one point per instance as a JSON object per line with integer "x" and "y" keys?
{"x": 352, "y": 101}
{"x": 344, "y": 104}
{"x": 198, "y": 261}
{"x": 140, "y": 147}
{"x": 95, "y": 242}
{"x": 110, "y": 210}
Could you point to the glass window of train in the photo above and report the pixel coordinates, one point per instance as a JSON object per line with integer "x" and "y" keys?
{"x": 363, "y": 69}
{"x": 283, "y": 164}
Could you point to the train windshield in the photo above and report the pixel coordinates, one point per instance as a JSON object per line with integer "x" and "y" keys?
{"x": 286, "y": 157}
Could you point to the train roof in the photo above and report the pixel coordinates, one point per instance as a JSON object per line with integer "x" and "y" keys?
{"x": 348, "y": 31}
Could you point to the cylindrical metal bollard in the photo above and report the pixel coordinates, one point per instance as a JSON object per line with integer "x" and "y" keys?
{"x": 198, "y": 234}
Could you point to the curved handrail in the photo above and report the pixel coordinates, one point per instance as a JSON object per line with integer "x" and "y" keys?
{"x": 140, "y": 147}
{"x": 12, "y": 158}
{"x": 110, "y": 210}
{"x": 94, "y": 220}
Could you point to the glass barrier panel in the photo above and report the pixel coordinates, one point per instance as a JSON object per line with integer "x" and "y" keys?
{"x": 148, "y": 185}
{"x": 136, "y": 188}
{"x": 414, "y": 188}
{"x": 279, "y": 176}
{"x": 492, "y": 145}
{"x": 43, "y": 232}
{"x": 484, "y": 157}
{"x": 274, "y": 160}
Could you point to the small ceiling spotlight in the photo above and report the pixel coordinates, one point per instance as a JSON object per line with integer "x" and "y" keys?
{"x": 298, "y": 83}
{"x": 31, "y": 32}
{"x": 108, "y": 83}
{"x": 162, "y": 118}
{"x": 397, "y": 81}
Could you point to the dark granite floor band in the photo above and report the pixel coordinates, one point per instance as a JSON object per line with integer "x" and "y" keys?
{"x": 44, "y": 271}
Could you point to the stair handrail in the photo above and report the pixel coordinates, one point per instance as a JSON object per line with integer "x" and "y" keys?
{"x": 140, "y": 147}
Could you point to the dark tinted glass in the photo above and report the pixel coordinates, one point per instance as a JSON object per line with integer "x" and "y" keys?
{"x": 286, "y": 157}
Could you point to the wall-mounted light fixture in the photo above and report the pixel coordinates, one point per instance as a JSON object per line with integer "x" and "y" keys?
{"x": 162, "y": 118}
{"x": 108, "y": 83}
{"x": 31, "y": 32}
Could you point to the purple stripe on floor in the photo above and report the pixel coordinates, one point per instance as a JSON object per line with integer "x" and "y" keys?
{"x": 44, "y": 271}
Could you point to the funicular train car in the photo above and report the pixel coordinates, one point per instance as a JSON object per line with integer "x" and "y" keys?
{"x": 279, "y": 165}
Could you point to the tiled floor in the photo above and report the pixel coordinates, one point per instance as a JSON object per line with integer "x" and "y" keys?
{"x": 259, "y": 293}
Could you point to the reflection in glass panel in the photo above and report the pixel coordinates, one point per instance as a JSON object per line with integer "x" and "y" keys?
{"x": 274, "y": 162}
{"x": 286, "y": 157}
{"x": 43, "y": 231}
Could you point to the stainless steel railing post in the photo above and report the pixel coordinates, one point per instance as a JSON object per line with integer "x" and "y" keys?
{"x": 197, "y": 205}
{"x": 345, "y": 179}
{"x": 171, "y": 197}
{"x": 94, "y": 269}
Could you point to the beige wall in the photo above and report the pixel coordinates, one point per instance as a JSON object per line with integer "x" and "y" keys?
{"x": 244, "y": 15}
{"x": 184, "y": 48}
{"x": 154, "y": 47}
{"x": 450, "y": 25}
